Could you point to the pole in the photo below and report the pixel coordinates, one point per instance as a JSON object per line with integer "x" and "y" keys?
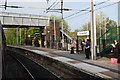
{"x": 5, "y": 4}
{"x": 62, "y": 23}
{"x": 54, "y": 33}
{"x": 105, "y": 26}
{"x": 1, "y": 50}
{"x": 100, "y": 25}
{"x": 118, "y": 23}
{"x": 93, "y": 32}
{"x": 54, "y": 29}
{"x": 20, "y": 36}
{"x": 17, "y": 36}
{"x": 77, "y": 45}
{"x": 25, "y": 36}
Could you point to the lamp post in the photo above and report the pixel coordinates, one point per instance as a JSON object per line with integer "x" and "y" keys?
{"x": 62, "y": 23}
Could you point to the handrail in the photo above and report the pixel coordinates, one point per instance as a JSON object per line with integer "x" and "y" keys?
{"x": 108, "y": 31}
{"x": 108, "y": 40}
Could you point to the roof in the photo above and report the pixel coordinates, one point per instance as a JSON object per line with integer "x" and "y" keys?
{"x": 66, "y": 34}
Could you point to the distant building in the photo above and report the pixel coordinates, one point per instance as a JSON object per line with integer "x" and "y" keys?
{"x": 50, "y": 37}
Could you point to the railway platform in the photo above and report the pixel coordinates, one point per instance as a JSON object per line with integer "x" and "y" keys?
{"x": 100, "y": 67}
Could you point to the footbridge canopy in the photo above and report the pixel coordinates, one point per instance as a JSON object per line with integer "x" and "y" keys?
{"x": 12, "y": 20}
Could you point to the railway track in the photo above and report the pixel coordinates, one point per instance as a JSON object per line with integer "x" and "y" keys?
{"x": 59, "y": 70}
{"x": 33, "y": 70}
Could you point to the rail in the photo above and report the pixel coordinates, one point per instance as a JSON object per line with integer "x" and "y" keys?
{"x": 22, "y": 66}
{"x": 37, "y": 71}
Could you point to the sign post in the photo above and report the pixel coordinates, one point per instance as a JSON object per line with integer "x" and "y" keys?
{"x": 81, "y": 33}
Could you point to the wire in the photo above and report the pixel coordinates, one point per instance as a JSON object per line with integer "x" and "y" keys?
{"x": 26, "y": 7}
{"x": 1, "y": 7}
{"x": 86, "y": 9}
{"x": 34, "y": 8}
{"x": 18, "y": 6}
{"x": 79, "y": 15}
{"x": 52, "y": 5}
{"x": 101, "y": 3}
{"x": 77, "y": 12}
{"x": 55, "y": 4}
{"x": 106, "y": 6}
{"x": 2, "y": 4}
{"x": 98, "y": 9}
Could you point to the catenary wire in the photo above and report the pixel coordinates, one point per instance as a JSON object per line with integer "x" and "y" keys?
{"x": 86, "y": 9}
{"x": 52, "y": 5}
{"x": 96, "y": 9}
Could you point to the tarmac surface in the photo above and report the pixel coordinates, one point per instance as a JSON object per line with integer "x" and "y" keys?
{"x": 101, "y": 65}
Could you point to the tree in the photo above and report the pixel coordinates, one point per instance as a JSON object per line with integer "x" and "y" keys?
{"x": 103, "y": 23}
{"x": 11, "y": 35}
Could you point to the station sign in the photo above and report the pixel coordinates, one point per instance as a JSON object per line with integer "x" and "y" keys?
{"x": 82, "y": 33}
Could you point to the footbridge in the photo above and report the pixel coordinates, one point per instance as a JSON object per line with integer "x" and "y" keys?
{"x": 15, "y": 20}
{"x": 12, "y": 20}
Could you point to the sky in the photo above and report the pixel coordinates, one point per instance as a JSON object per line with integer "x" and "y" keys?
{"x": 38, "y": 7}
{"x": 55, "y": 0}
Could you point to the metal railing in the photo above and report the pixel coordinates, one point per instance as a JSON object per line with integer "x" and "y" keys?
{"x": 104, "y": 42}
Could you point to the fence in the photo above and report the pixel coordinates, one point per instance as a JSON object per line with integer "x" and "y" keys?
{"x": 105, "y": 41}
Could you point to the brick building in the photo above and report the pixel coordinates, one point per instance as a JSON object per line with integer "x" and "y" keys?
{"x": 50, "y": 41}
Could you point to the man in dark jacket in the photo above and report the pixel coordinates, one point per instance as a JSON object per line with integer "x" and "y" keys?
{"x": 87, "y": 48}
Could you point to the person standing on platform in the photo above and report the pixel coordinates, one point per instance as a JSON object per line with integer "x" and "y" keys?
{"x": 45, "y": 43}
{"x": 72, "y": 46}
{"x": 82, "y": 44}
{"x": 116, "y": 49}
{"x": 40, "y": 44}
{"x": 87, "y": 48}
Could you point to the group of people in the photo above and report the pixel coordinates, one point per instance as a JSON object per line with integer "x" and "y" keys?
{"x": 85, "y": 46}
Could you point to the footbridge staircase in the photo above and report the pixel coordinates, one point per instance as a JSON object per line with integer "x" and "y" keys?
{"x": 106, "y": 40}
